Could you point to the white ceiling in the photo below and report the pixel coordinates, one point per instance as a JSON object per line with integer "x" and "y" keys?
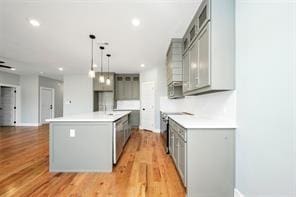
{"x": 62, "y": 39}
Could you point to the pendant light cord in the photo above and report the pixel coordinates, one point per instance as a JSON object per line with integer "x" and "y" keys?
{"x": 92, "y": 55}
{"x": 102, "y": 60}
{"x": 108, "y": 66}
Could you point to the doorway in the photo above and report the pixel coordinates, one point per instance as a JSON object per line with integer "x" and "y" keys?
{"x": 7, "y": 106}
{"x": 148, "y": 106}
{"x": 46, "y": 104}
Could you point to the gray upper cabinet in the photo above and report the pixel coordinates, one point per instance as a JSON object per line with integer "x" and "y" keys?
{"x": 97, "y": 86}
{"x": 175, "y": 68}
{"x": 209, "y": 56}
{"x": 127, "y": 87}
{"x": 135, "y": 87}
{"x": 186, "y": 72}
{"x": 203, "y": 74}
{"x": 119, "y": 87}
{"x": 174, "y": 61}
{"x": 193, "y": 62}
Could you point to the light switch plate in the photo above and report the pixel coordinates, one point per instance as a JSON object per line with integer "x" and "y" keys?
{"x": 72, "y": 133}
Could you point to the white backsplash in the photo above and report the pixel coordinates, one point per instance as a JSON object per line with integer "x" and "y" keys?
{"x": 128, "y": 105}
{"x": 220, "y": 105}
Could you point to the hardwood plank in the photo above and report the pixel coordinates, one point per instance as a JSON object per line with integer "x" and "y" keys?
{"x": 143, "y": 169}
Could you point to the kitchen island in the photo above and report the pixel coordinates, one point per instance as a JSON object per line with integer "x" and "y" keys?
{"x": 90, "y": 142}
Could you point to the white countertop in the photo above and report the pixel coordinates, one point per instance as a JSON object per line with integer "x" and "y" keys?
{"x": 126, "y": 109}
{"x": 100, "y": 116}
{"x": 194, "y": 122}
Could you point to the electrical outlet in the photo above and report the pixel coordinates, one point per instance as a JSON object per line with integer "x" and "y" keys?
{"x": 72, "y": 133}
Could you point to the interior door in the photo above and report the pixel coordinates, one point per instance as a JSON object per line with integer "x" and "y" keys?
{"x": 148, "y": 105}
{"x": 7, "y": 107}
{"x": 46, "y": 104}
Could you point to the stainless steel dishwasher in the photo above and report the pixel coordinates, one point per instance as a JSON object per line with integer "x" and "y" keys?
{"x": 118, "y": 139}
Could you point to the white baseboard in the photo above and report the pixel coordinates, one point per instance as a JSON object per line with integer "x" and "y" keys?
{"x": 154, "y": 130}
{"x": 28, "y": 124}
{"x": 237, "y": 193}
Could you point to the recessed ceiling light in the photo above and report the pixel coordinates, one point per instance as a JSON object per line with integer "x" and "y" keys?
{"x": 61, "y": 69}
{"x": 34, "y": 22}
{"x": 136, "y": 22}
{"x": 13, "y": 69}
{"x": 41, "y": 73}
{"x": 142, "y": 65}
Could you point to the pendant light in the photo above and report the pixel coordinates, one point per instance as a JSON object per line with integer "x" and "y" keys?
{"x": 102, "y": 78}
{"x": 92, "y": 73}
{"x": 108, "y": 81}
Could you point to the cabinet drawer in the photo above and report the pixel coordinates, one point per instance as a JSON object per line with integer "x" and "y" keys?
{"x": 124, "y": 119}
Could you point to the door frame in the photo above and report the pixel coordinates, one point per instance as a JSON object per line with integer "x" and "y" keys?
{"x": 18, "y": 103}
{"x": 40, "y": 102}
{"x": 141, "y": 112}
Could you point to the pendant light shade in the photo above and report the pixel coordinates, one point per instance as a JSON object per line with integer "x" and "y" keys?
{"x": 92, "y": 73}
{"x": 102, "y": 78}
{"x": 108, "y": 81}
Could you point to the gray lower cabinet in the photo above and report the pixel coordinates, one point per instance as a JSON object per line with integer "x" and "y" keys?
{"x": 182, "y": 159}
{"x": 204, "y": 159}
{"x": 88, "y": 149}
{"x": 171, "y": 141}
{"x": 176, "y": 148}
{"x": 126, "y": 130}
{"x": 135, "y": 119}
{"x": 127, "y": 87}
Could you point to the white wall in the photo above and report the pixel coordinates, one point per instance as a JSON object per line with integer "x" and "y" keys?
{"x": 220, "y": 105}
{"x": 78, "y": 90}
{"x": 265, "y": 150}
{"x": 8, "y": 78}
{"x": 30, "y": 99}
{"x": 58, "y": 93}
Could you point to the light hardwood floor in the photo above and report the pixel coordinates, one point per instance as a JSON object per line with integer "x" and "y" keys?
{"x": 143, "y": 170}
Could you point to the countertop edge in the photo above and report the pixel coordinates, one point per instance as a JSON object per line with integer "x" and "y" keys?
{"x": 212, "y": 124}
{"x": 78, "y": 119}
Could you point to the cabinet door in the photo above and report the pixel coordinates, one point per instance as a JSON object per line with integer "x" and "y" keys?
{"x": 135, "y": 88}
{"x": 193, "y": 65}
{"x": 182, "y": 160}
{"x": 126, "y": 132}
{"x": 176, "y": 147}
{"x": 169, "y": 66}
{"x": 135, "y": 118}
{"x": 171, "y": 141}
{"x": 186, "y": 72}
{"x": 119, "y": 88}
{"x": 203, "y": 59}
{"x": 128, "y": 88}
